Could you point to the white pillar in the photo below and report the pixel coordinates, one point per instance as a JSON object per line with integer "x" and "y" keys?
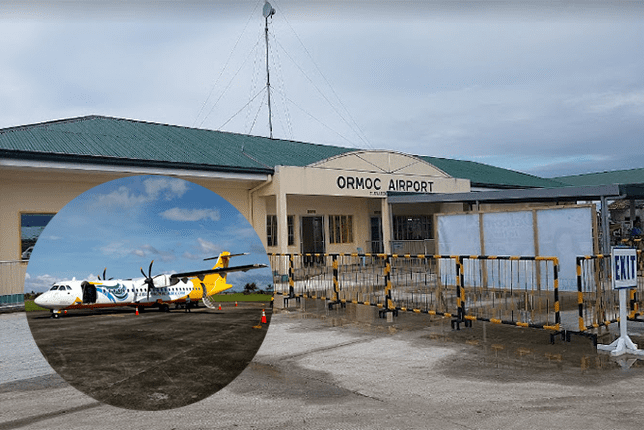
{"x": 282, "y": 225}
{"x": 386, "y": 225}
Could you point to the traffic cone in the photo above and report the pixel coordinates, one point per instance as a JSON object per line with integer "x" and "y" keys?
{"x": 219, "y": 306}
{"x": 263, "y": 317}
{"x": 137, "y": 310}
{"x": 235, "y": 304}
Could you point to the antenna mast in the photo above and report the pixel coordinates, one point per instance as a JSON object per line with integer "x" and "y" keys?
{"x": 268, "y": 12}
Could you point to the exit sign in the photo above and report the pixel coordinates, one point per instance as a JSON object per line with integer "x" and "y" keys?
{"x": 624, "y": 267}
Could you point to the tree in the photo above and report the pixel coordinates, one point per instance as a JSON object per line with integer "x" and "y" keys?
{"x": 250, "y": 288}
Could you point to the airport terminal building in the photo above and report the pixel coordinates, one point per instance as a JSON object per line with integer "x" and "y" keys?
{"x": 299, "y": 197}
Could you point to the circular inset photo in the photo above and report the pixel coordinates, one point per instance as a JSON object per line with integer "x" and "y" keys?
{"x": 152, "y": 292}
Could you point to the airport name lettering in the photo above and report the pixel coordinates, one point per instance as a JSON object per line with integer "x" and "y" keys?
{"x": 360, "y": 183}
{"x": 625, "y": 267}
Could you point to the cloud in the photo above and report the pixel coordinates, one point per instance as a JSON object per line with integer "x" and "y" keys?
{"x": 608, "y": 101}
{"x": 118, "y": 249}
{"x": 206, "y": 246}
{"x": 122, "y": 197}
{"x": 39, "y": 283}
{"x": 190, "y": 256}
{"x": 150, "y": 251}
{"x": 168, "y": 188}
{"x": 178, "y": 214}
{"x": 155, "y": 188}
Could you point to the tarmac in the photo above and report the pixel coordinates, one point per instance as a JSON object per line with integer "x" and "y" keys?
{"x": 151, "y": 360}
{"x": 348, "y": 369}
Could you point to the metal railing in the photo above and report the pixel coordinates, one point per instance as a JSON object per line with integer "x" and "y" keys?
{"x": 517, "y": 290}
{"x": 521, "y": 291}
{"x": 12, "y": 277}
{"x": 598, "y": 302}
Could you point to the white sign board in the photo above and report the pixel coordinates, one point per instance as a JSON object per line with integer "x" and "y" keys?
{"x": 624, "y": 267}
{"x": 562, "y": 232}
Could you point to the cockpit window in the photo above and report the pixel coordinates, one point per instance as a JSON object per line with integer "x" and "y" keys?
{"x": 55, "y": 287}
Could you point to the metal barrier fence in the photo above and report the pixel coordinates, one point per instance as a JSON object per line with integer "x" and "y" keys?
{"x": 598, "y": 302}
{"x": 521, "y": 291}
{"x": 12, "y": 282}
{"x": 12, "y": 299}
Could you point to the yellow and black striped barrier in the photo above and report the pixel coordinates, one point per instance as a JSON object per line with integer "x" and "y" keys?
{"x": 528, "y": 299}
{"x": 597, "y": 301}
{"x": 465, "y": 288}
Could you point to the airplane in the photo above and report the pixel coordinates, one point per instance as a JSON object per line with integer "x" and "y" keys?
{"x": 182, "y": 289}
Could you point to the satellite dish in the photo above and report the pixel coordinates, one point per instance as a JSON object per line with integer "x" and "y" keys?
{"x": 268, "y": 10}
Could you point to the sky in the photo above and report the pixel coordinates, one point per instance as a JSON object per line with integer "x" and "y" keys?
{"x": 123, "y": 225}
{"x": 544, "y": 87}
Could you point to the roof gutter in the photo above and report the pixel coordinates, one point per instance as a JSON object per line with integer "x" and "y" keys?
{"x": 21, "y": 159}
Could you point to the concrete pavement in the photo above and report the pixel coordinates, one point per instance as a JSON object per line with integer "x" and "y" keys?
{"x": 345, "y": 369}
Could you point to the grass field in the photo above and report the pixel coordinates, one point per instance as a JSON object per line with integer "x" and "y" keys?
{"x": 241, "y": 297}
{"x": 31, "y": 306}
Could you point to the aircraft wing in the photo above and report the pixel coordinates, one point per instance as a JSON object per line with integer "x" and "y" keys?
{"x": 221, "y": 270}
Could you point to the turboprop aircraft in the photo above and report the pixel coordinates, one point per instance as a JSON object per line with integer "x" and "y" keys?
{"x": 185, "y": 289}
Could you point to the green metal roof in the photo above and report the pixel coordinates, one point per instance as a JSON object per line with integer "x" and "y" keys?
{"x": 631, "y": 176}
{"x": 102, "y": 139}
{"x": 489, "y": 176}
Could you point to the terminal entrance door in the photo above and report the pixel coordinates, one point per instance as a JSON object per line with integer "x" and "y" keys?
{"x": 312, "y": 234}
{"x": 376, "y": 236}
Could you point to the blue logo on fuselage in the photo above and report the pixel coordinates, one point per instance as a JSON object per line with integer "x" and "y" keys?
{"x": 114, "y": 293}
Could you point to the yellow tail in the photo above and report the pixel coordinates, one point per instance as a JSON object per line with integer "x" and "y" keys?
{"x": 216, "y": 283}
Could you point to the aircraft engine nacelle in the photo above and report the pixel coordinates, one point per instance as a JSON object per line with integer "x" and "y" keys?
{"x": 161, "y": 281}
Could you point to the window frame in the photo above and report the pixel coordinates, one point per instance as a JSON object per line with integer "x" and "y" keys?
{"x": 340, "y": 229}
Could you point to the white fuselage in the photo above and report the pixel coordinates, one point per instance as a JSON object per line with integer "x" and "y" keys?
{"x": 117, "y": 292}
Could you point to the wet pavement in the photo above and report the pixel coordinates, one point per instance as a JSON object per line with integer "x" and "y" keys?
{"x": 151, "y": 361}
{"x": 346, "y": 368}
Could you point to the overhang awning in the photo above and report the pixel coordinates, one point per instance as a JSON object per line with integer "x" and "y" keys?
{"x": 563, "y": 194}
{"x": 602, "y": 193}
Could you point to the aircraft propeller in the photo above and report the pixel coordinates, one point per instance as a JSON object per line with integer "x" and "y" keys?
{"x": 149, "y": 280}
{"x": 104, "y": 278}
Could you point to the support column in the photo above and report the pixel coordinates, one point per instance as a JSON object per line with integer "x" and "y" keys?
{"x": 605, "y": 228}
{"x": 387, "y": 222}
{"x": 282, "y": 224}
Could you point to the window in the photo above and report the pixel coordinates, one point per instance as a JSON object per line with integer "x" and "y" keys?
{"x": 340, "y": 228}
{"x": 31, "y": 225}
{"x": 413, "y": 227}
{"x": 290, "y": 221}
{"x": 271, "y": 230}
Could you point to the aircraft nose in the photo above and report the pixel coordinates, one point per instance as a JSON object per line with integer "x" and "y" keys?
{"x": 40, "y": 300}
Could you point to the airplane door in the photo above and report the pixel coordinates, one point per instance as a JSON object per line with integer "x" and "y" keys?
{"x": 89, "y": 293}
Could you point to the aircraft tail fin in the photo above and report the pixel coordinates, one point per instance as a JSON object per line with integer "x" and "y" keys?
{"x": 216, "y": 282}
